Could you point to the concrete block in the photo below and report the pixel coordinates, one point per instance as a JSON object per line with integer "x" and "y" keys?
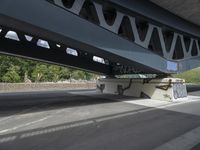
{"x": 167, "y": 89}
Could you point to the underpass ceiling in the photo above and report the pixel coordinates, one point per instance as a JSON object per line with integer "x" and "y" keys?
{"x": 187, "y": 9}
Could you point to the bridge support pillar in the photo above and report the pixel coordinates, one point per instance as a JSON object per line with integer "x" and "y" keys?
{"x": 167, "y": 89}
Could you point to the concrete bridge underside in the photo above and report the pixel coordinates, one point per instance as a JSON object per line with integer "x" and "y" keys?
{"x": 187, "y": 9}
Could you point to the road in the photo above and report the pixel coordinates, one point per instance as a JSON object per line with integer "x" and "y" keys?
{"x": 85, "y": 120}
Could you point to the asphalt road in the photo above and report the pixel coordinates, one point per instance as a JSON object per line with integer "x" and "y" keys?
{"x": 84, "y": 120}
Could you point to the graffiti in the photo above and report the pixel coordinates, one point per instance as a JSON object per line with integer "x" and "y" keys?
{"x": 126, "y": 70}
{"x": 179, "y": 90}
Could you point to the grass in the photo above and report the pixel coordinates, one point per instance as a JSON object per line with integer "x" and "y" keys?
{"x": 192, "y": 76}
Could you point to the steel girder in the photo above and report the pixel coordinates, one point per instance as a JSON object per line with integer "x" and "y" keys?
{"x": 58, "y": 24}
{"x": 59, "y": 56}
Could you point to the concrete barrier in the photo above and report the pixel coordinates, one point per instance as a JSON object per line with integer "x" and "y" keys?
{"x": 167, "y": 89}
{"x": 15, "y": 87}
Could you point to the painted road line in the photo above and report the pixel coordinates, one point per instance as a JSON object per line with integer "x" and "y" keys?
{"x": 22, "y": 125}
{"x": 55, "y": 129}
{"x": 97, "y": 120}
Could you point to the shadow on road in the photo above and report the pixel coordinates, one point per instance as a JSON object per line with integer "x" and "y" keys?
{"x": 12, "y": 103}
{"x": 112, "y": 134}
{"x": 27, "y": 102}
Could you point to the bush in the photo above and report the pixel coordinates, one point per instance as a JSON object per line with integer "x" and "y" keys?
{"x": 14, "y": 69}
{"x": 11, "y": 77}
{"x": 192, "y": 76}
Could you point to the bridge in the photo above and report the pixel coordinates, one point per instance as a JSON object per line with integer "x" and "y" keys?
{"x": 110, "y": 37}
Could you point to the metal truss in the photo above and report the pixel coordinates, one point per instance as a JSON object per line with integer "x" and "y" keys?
{"x": 127, "y": 42}
{"x": 24, "y": 45}
{"x": 163, "y": 41}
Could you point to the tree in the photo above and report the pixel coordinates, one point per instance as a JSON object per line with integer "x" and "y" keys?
{"x": 12, "y": 75}
{"x": 13, "y": 69}
{"x": 89, "y": 76}
{"x": 39, "y": 73}
{"x": 65, "y": 73}
{"x": 78, "y": 75}
{"x": 53, "y": 73}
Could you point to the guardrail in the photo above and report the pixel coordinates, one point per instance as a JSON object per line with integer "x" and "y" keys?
{"x": 193, "y": 87}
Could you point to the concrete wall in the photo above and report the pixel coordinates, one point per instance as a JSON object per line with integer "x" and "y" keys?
{"x": 15, "y": 87}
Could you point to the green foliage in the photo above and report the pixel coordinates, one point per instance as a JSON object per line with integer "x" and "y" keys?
{"x": 14, "y": 69}
{"x": 39, "y": 73}
{"x": 12, "y": 75}
{"x": 53, "y": 73}
{"x": 78, "y": 74}
{"x": 192, "y": 76}
{"x": 65, "y": 73}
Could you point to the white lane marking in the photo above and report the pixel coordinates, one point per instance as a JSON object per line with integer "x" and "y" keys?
{"x": 23, "y": 125}
{"x": 17, "y": 115}
{"x": 50, "y": 130}
{"x": 7, "y": 139}
{"x": 101, "y": 119}
{"x": 45, "y": 131}
{"x": 183, "y": 142}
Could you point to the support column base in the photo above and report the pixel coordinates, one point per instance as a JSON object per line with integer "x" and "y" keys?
{"x": 167, "y": 89}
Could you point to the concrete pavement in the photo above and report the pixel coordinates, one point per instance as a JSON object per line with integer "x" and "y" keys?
{"x": 85, "y": 120}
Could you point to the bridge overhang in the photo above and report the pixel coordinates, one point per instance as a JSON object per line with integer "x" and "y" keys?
{"x": 57, "y": 24}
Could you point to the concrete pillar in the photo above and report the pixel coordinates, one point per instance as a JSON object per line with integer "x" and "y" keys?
{"x": 167, "y": 89}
